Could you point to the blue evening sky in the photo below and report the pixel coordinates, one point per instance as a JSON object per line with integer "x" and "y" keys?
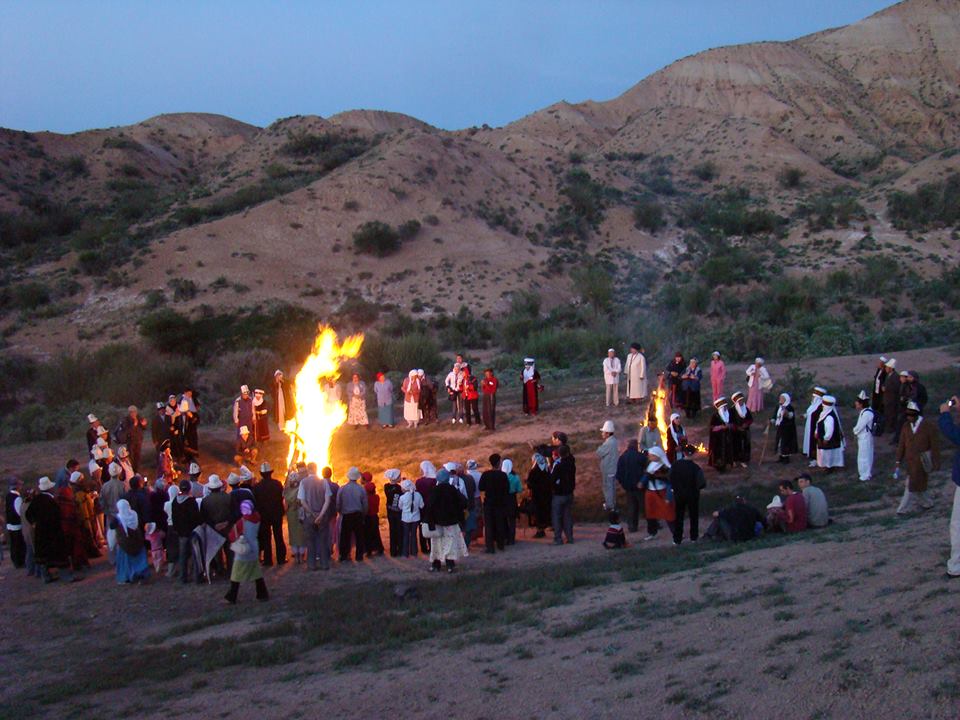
{"x": 78, "y": 64}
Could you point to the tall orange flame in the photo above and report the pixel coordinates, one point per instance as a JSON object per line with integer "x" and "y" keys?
{"x": 318, "y": 414}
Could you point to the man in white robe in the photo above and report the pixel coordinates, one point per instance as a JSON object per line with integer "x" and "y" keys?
{"x": 864, "y": 433}
{"x": 829, "y": 436}
{"x": 635, "y": 371}
{"x": 812, "y": 415}
{"x": 611, "y": 376}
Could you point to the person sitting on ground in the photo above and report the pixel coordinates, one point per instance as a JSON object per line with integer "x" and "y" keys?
{"x": 791, "y": 516}
{"x": 818, "y": 514}
{"x": 737, "y": 523}
{"x": 615, "y": 539}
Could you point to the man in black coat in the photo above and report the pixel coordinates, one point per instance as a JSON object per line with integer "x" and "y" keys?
{"x": 49, "y": 543}
{"x": 268, "y": 498}
{"x": 564, "y": 477}
{"x": 496, "y": 493}
{"x": 630, "y": 467}
{"x": 686, "y": 478}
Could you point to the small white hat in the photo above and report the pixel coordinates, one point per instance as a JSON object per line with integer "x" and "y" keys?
{"x": 101, "y": 443}
{"x": 232, "y": 479}
{"x": 829, "y": 400}
{"x": 819, "y": 391}
{"x": 904, "y": 373}
{"x": 244, "y": 430}
{"x": 45, "y": 484}
{"x": 149, "y": 528}
{"x": 123, "y": 452}
{"x": 863, "y": 395}
{"x": 891, "y": 363}
{"x": 716, "y": 353}
{"x": 611, "y": 350}
{"x": 160, "y": 405}
{"x": 353, "y": 473}
{"x": 244, "y": 389}
{"x": 737, "y": 396}
{"x": 114, "y": 470}
{"x": 265, "y": 468}
{"x": 450, "y": 467}
{"x": 608, "y": 427}
{"x": 277, "y": 373}
{"x": 245, "y": 473}
{"x": 913, "y": 407}
{"x": 528, "y": 361}
{"x": 75, "y": 477}
{"x": 392, "y": 474}
{"x": 759, "y": 361}
{"x": 101, "y": 431}
{"x": 133, "y": 408}
{"x": 775, "y": 503}
{"x": 883, "y": 358}
{"x": 214, "y": 482}
{"x": 258, "y": 391}
{"x": 720, "y": 402}
{"x": 194, "y": 469}
{"x": 91, "y": 418}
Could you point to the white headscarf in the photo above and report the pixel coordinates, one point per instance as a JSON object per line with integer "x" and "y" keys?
{"x": 529, "y": 368}
{"x": 507, "y": 466}
{"x": 782, "y": 409}
{"x": 659, "y": 461}
{"x": 126, "y": 515}
{"x": 428, "y": 469}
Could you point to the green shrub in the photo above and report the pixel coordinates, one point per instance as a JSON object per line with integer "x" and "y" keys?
{"x": 408, "y": 230}
{"x": 76, "y": 166}
{"x": 30, "y": 295}
{"x": 376, "y": 238}
{"x": 355, "y": 313}
{"x": 791, "y": 177}
{"x": 183, "y": 289}
{"x": 120, "y": 142}
{"x": 330, "y": 150}
{"x": 932, "y": 204}
{"x": 593, "y": 283}
{"x": 648, "y": 215}
{"x": 401, "y": 353}
{"x": 465, "y": 330}
{"x": 229, "y": 370}
{"x": 706, "y": 171}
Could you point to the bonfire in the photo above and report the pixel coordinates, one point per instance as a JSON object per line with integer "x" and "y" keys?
{"x": 318, "y": 413}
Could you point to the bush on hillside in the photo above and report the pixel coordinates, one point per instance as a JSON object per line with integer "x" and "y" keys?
{"x": 932, "y": 204}
{"x": 401, "y": 353}
{"x": 376, "y": 238}
{"x": 648, "y": 215}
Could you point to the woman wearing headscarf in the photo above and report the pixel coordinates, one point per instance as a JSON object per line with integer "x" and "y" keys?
{"x": 245, "y": 546}
{"x": 758, "y": 380}
{"x": 172, "y": 540}
{"x": 372, "y": 542}
{"x": 392, "y": 493}
{"x": 657, "y": 499}
{"x": 690, "y": 387}
{"x": 383, "y": 391}
{"x": 425, "y": 484}
{"x": 357, "y": 399}
{"x": 411, "y": 503}
{"x": 132, "y": 563}
{"x": 411, "y": 399}
{"x": 541, "y": 491}
{"x": 676, "y": 439}
{"x": 718, "y": 373}
{"x": 295, "y": 535}
{"x": 673, "y": 372}
{"x": 73, "y": 526}
{"x": 531, "y": 387}
{"x": 516, "y": 487}
{"x": 445, "y": 515}
{"x": 786, "y": 424}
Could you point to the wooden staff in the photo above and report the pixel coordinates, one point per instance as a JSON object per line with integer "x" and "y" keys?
{"x": 766, "y": 437}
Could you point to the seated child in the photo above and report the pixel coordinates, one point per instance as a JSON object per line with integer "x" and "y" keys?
{"x": 616, "y": 538}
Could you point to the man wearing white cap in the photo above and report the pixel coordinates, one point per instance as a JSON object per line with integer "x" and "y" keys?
{"x": 829, "y": 436}
{"x": 49, "y": 542}
{"x": 93, "y": 432}
{"x": 269, "y": 503}
{"x": 635, "y": 371}
{"x": 876, "y": 391}
{"x": 608, "y": 452}
{"x": 863, "y": 430}
{"x": 131, "y": 432}
{"x": 812, "y": 416}
{"x": 918, "y": 450}
{"x": 891, "y": 396}
{"x": 611, "y": 377}
{"x": 243, "y": 409}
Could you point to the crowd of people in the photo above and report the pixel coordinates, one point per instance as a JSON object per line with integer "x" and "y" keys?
{"x": 202, "y": 527}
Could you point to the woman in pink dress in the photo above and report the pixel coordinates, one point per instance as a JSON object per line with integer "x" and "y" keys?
{"x": 718, "y": 373}
{"x": 758, "y": 380}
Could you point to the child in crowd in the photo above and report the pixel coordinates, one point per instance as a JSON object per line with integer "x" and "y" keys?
{"x": 155, "y": 537}
{"x": 616, "y": 539}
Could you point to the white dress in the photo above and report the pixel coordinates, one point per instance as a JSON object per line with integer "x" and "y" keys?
{"x": 863, "y": 431}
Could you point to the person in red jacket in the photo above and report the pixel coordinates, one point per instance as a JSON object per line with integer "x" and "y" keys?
{"x": 489, "y": 386}
{"x": 471, "y": 396}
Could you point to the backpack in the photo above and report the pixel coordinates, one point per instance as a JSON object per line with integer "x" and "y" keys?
{"x": 876, "y": 425}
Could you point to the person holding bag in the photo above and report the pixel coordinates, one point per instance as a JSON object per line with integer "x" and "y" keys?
{"x": 244, "y": 544}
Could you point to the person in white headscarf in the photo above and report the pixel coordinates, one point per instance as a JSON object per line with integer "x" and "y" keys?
{"x": 863, "y": 430}
{"x": 721, "y": 435}
{"x": 411, "y": 503}
{"x": 131, "y": 557}
{"x": 411, "y": 399}
{"x": 657, "y": 500}
{"x": 531, "y": 387}
{"x": 812, "y": 416}
{"x": 829, "y": 435}
{"x": 786, "y": 423}
{"x": 758, "y": 380}
{"x": 444, "y": 515}
{"x": 515, "y": 485}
